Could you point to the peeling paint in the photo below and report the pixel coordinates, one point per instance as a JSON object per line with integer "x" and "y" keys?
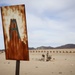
{"x": 15, "y": 32}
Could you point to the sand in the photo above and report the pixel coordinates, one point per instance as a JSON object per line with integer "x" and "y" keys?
{"x": 60, "y": 64}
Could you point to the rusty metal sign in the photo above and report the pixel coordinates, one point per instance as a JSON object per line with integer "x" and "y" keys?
{"x": 15, "y": 32}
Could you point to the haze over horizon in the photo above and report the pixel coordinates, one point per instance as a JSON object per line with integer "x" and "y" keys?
{"x": 49, "y": 22}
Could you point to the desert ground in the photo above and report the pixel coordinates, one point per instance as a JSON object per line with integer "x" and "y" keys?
{"x": 60, "y": 64}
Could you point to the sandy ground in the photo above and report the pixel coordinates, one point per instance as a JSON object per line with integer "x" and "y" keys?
{"x": 61, "y": 64}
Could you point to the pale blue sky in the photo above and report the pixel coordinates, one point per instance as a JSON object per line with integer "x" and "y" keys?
{"x": 49, "y": 22}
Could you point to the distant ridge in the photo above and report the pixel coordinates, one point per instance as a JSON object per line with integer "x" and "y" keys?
{"x": 44, "y": 47}
{"x": 31, "y": 48}
{"x": 66, "y": 46}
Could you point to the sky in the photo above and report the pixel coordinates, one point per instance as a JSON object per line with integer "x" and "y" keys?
{"x": 49, "y": 22}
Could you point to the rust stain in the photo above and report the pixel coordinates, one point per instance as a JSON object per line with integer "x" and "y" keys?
{"x": 15, "y": 32}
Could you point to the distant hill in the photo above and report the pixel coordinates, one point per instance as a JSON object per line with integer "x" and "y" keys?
{"x": 31, "y": 48}
{"x": 44, "y": 47}
{"x": 2, "y": 50}
{"x": 66, "y": 46}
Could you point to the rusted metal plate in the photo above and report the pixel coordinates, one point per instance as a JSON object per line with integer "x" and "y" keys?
{"x": 15, "y": 32}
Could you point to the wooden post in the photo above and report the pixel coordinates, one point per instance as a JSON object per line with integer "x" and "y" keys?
{"x": 17, "y": 67}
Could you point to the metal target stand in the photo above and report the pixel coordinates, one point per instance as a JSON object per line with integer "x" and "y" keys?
{"x": 17, "y": 72}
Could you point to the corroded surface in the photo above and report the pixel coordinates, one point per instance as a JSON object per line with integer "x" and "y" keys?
{"x": 15, "y": 32}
